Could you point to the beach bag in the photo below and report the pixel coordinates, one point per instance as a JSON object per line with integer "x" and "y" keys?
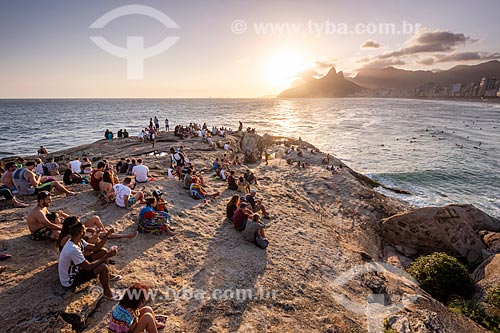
{"x": 261, "y": 242}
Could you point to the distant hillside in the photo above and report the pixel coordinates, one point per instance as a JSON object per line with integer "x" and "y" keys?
{"x": 391, "y": 77}
{"x": 331, "y": 85}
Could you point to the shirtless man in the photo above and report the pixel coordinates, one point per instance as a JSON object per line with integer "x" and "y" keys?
{"x": 10, "y": 167}
{"x": 28, "y": 183}
{"x": 40, "y": 227}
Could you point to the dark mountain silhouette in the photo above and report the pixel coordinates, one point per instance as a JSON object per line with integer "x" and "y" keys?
{"x": 391, "y": 77}
{"x": 332, "y": 84}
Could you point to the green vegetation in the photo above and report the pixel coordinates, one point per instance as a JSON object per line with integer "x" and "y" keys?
{"x": 442, "y": 276}
{"x": 475, "y": 311}
{"x": 493, "y": 296}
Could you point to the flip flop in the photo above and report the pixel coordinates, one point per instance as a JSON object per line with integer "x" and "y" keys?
{"x": 115, "y": 277}
{"x": 5, "y": 256}
{"x": 71, "y": 193}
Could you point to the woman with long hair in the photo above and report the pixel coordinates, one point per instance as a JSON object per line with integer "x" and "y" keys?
{"x": 232, "y": 206}
{"x": 130, "y": 315}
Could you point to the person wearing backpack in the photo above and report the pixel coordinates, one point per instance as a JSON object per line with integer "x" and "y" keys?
{"x": 177, "y": 160}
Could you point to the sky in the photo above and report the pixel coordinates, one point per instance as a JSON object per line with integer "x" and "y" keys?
{"x": 228, "y": 48}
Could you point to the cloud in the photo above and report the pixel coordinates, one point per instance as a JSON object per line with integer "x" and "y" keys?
{"x": 305, "y": 76}
{"x": 382, "y": 63}
{"x": 468, "y": 56}
{"x": 321, "y": 64}
{"x": 427, "y": 61}
{"x": 370, "y": 44}
{"x": 430, "y": 41}
{"x": 459, "y": 57}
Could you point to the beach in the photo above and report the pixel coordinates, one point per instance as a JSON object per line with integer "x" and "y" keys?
{"x": 322, "y": 225}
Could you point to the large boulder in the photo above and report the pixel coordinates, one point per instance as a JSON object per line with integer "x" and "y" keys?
{"x": 453, "y": 229}
{"x": 487, "y": 275}
{"x": 252, "y": 145}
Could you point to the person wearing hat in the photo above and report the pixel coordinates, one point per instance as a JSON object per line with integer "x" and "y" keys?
{"x": 161, "y": 204}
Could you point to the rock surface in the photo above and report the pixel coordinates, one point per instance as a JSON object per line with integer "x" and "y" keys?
{"x": 323, "y": 225}
{"x": 453, "y": 229}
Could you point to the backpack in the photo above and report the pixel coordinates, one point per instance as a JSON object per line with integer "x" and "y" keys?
{"x": 261, "y": 242}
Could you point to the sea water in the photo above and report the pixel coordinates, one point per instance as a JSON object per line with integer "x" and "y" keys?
{"x": 441, "y": 151}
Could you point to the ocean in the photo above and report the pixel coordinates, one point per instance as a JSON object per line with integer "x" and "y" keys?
{"x": 441, "y": 151}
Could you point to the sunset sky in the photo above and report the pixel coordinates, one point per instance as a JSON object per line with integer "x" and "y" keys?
{"x": 223, "y": 47}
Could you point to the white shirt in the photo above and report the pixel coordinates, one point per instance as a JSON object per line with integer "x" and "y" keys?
{"x": 71, "y": 256}
{"x": 39, "y": 169}
{"x": 75, "y": 166}
{"x": 222, "y": 174}
{"x": 226, "y": 146}
{"x": 121, "y": 191}
{"x": 141, "y": 173}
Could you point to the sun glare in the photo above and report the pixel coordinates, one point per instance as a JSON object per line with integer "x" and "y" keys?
{"x": 283, "y": 68}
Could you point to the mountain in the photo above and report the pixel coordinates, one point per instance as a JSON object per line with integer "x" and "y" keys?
{"x": 332, "y": 84}
{"x": 391, "y": 77}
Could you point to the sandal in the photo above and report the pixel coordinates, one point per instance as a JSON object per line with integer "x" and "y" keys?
{"x": 115, "y": 277}
{"x": 5, "y": 256}
{"x": 161, "y": 321}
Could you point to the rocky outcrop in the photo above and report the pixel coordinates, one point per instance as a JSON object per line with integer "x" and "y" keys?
{"x": 487, "y": 275}
{"x": 453, "y": 229}
{"x": 252, "y": 145}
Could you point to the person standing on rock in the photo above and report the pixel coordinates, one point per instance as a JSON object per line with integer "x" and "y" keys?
{"x": 157, "y": 124}
{"x": 167, "y": 128}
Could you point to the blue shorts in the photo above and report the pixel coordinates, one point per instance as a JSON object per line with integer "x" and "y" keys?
{"x": 131, "y": 201}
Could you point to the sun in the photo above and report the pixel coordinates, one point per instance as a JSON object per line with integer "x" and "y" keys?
{"x": 283, "y": 68}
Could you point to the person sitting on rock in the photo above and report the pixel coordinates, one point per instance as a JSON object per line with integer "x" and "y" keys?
{"x": 42, "y": 151}
{"x": 6, "y": 178}
{"x": 130, "y": 315}
{"x": 125, "y": 197}
{"x": 250, "y": 177}
{"x": 152, "y": 221}
{"x": 69, "y": 177}
{"x": 254, "y": 232}
{"x": 106, "y": 186}
{"x": 141, "y": 172}
{"x": 257, "y": 205}
{"x": 75, "y": 269}
{"x": 241, "y": 216}
{"x": 52, "y": 166}
{"x": 28, "y": 183}
{"x": 231, "y": 181}
{"x": 9, "y": 197}
{"x": 243, "y": 185}
{"x": 96, "y": 233}
{"x": 198, "y": 192}
{"x": 86, "y": 166}
{"x": 96, "y": 176}
{"x": 232, "y": 206}
{"x": 38, "y": 224}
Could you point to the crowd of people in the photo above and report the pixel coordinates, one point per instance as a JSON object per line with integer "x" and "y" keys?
{"x": 83, "y": 255}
